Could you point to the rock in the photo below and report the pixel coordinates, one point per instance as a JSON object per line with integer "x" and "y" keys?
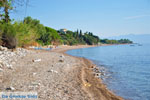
{"x": 93, "y": 66}
{"x": 9, "y": 66}
{"x": 1, "y": 70}
{"x": 62, "y": 56}
{"x": 61, "y": 60}
{"x": 65, "y": 91}
{"x": 1, "y": 65}
{"x": 34, "y": 74}
{"x": 10, "y": 88}
{"x": 13, "y": 62}
{"x": 36, "y": 60}
{"x": 87, "y": 84}
{"x": 96, "y": 69}
{"x": 3, "y": 48}
{"x": 9, "y": 58}
{"x": 35, "y": 84}
{"x": 98, "y": 74}
{"x": 53, "y": 71}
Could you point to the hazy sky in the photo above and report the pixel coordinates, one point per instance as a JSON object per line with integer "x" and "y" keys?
{"x": 102, "y": 17}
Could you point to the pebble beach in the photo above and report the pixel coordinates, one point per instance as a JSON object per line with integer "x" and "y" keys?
{"x": 54, "y": 75}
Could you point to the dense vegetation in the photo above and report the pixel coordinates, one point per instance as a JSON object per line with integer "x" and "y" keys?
{"x": 121, "y": 41}
{"x": 74, "y": 38}
{"x": 30, "y": 31}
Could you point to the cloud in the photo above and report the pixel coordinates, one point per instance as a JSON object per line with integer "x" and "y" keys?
{"x": 136, "y": 17}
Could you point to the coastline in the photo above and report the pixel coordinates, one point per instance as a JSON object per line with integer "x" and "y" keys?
{"x": 54, "y": 75}
{"x": 91, "y": 84}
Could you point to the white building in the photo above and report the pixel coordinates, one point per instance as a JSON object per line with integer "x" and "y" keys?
{"x": 63, "y": 30}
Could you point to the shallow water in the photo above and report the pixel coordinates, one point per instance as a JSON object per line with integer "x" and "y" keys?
{"x": 127, "y": 67}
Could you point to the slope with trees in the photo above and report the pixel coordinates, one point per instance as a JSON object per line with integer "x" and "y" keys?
{"x": 29, "y": 31}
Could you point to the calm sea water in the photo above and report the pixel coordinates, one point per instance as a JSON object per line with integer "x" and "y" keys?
{"x": 127, "y": 68}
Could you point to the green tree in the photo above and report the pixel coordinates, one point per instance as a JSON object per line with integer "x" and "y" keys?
{"x": 80, "y": 34}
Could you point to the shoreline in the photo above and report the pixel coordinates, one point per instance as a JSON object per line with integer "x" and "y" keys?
{"x": 54, "y": 75}
{"x": 91, "y": 84}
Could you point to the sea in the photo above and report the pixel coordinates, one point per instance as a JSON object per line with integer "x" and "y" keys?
{"x": 127, "y": 68}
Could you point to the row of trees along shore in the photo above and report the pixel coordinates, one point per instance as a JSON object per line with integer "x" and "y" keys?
{"x": 30, "y": 31}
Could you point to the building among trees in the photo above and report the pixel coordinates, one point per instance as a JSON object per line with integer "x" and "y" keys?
{"x": 63, "y": 31}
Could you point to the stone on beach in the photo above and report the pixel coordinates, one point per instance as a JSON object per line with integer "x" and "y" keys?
{"x": 3, "y": 48}
{"x": 56, "y": 77}
{"x": 1, "y": 70}
{"x": 87, "y": 84}
{"x": 35, "y": 84}
{"x": 34, "y": 74}
{"x": 10, "y": 88}
{"x": 8, "y": 57}
{"x": 61, "y": 60}
{"x": 37, "y": 60}
{"x": 53, "y": 71}
{"x": 62, "y": 56}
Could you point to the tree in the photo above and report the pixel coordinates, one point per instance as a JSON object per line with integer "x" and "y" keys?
{"x": 8, "y": 35}
{"x": 5, "y": 6}
{"x": 77, "y": 33}
{"x": 80, "y": 34}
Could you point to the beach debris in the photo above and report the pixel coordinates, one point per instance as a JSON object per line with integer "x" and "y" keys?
{"x": 53, "y": 71}
{"x": 10, "y": 88}
{"x": 36, "y": 60}
{"x": 35, "y": 84}
{"x": 34, "y": 74}
{"x": 87, "y": 84}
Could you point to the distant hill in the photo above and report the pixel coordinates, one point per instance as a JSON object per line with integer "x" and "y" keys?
{"x": 141, "y": 38}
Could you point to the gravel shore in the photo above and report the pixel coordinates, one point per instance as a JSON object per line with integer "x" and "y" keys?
{"x": 54, "y": 75}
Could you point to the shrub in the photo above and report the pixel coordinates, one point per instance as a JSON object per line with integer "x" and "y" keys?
{"x": 9, "y": 36}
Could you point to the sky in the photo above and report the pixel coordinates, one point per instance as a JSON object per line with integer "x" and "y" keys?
{"x": 104, "y": 18}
